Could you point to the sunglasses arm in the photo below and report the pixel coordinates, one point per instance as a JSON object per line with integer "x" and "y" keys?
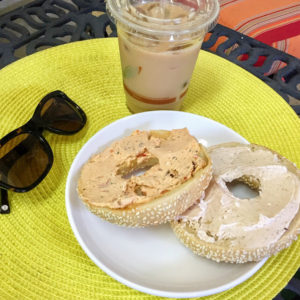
{"x": 4, "y": 204}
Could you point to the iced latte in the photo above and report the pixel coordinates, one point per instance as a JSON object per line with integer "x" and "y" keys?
{"x": 159, "y": 42}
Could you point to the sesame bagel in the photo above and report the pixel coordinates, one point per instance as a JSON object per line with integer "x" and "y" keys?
{"x": 223, "y": 227}
{"x": 175, "y": 171}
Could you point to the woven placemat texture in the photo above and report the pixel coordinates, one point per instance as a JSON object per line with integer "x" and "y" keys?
{"x": 40, "y": 257}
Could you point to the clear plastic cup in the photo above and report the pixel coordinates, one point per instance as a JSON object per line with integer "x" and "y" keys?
{"x": 159, "y": 42}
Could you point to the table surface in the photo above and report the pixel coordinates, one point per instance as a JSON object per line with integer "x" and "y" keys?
{"x": 30, "y": 26}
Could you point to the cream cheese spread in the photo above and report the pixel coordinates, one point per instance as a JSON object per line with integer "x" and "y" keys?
{"x": 168, "y": 159}
{"x": 224, "y": 219}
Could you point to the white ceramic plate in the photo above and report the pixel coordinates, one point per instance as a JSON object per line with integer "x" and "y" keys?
{"x": 151, "y": 260}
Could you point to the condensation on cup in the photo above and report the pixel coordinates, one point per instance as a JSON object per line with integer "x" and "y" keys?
{"x": 159, "y": 42}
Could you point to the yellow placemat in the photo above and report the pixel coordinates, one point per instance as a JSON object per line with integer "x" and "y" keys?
{"x": 39, "y": 255}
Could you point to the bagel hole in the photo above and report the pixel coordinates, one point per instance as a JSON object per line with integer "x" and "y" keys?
{"x": 137, "y": 172}
{"x": 243, "y": 190}
{"x": 136, "y": 168}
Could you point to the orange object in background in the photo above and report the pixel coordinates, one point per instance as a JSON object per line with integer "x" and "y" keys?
{"x": 273, "y": 22}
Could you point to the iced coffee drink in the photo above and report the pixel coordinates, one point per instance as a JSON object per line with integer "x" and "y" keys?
{"x": 159, "y": 42}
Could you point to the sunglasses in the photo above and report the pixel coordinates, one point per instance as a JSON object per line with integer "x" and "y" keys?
{"x": 25, "y": 155}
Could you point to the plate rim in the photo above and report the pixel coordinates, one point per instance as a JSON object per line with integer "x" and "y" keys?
{"x": 114, "y": 275}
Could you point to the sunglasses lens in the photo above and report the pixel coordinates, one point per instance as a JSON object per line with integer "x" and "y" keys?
{"x": 23, "y": 160}
{"x": 60, "y": 114}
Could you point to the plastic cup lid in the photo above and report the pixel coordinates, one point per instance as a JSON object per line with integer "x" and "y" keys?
{"x": 200, "y": 16}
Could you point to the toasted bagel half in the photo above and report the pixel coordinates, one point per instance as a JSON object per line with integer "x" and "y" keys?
{"x": 177, "y": 169}
{"x": 227, "y": 228}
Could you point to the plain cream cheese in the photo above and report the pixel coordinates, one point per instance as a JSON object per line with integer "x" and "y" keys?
{"x": 247, "y": 223}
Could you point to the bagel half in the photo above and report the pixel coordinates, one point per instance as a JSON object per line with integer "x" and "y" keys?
{"x": 226, "y": 248}
{"x": 162, "y": 208}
